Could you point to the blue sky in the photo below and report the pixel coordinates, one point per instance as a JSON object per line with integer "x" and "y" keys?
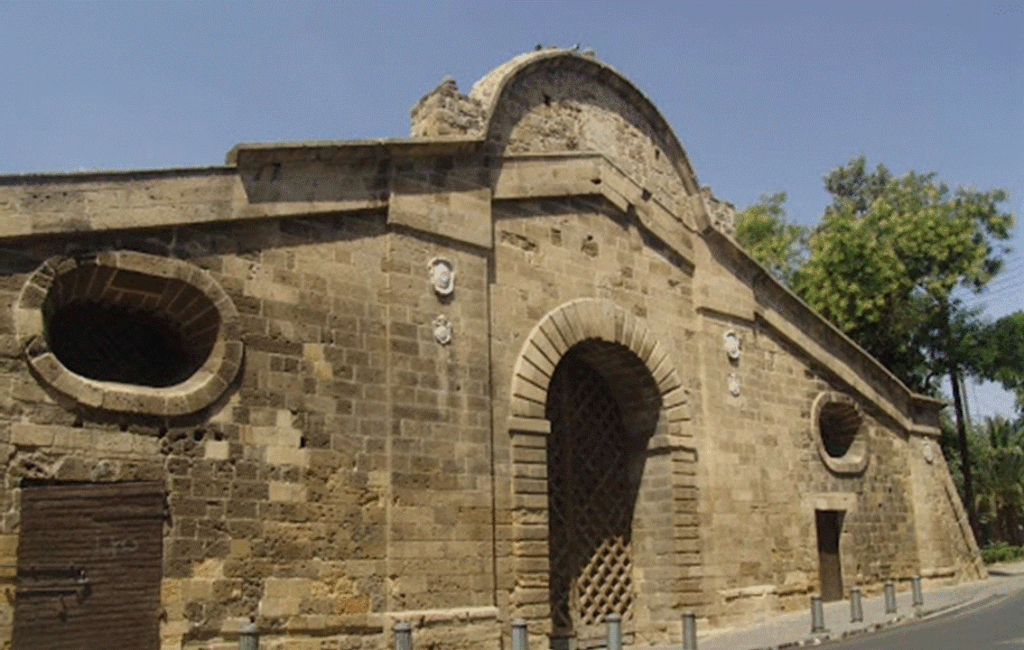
{"x": 765, "y": 96}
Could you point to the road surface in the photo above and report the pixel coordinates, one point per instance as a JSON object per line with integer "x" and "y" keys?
{"x": 997, "y": 624}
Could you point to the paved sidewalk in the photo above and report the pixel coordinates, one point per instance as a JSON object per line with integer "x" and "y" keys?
{"x": 794, "y": 630}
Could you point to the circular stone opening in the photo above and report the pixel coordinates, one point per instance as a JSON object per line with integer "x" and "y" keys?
{"x": 127, "y": 332}
{"x": 112, "y": 324}
{"x": 840, "y": 433}
{"x": 838, "y": 425}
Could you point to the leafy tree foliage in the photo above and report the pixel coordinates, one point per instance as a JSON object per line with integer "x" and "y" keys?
{"x": 998, "y": 453}
{"x": 884, "y": 261}
{"x": 999, "y": 354}
{"x": 883, "y": 265}
{"x": 763, "y": 231}
{"x": 852, "y": 184}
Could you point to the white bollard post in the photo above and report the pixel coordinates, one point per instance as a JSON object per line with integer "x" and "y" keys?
{"x": 519, "y": 635}
{"x": 614, "y": 622}
{"x": 915, "y": 585}
{"x": 689, "y": 631}
{"x": 817, "y": 615}
{"x": 249, "y": 637}
{"x": 856, "y": 609}
{"x": 403, "y": 636}
{"x": 890, "y": 597}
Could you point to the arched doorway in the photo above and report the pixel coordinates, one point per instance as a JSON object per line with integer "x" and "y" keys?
{"x": 593, "y": 478}
{"x": 655, "y": 465}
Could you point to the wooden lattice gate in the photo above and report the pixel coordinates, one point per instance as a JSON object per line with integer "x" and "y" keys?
{"x": 589, "y": 506}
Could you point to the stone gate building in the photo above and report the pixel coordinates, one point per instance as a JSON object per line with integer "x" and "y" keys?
{"x": 512, "y": 366}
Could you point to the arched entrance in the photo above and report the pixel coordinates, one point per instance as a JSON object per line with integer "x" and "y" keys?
{"x": 601, "y": 479}
{"x": 591, "y": 498}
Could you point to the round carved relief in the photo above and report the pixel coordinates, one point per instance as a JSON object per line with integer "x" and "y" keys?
{"x": 442, "y": 330}
{"x": 733, "y": 382}
{"x": 732, "y": 345}
{"x": 129, "y": 332}
{"x": 442, "y": 276}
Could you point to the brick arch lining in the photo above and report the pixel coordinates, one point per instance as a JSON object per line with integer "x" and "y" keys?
{"x": 579, "y": 321}
{"x": 127, "y": 283}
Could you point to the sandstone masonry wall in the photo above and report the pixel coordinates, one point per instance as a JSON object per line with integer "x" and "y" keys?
{"x": 382, "y": 452}
{"x": 549, "y": 253}
{"x": 279, "y": 496}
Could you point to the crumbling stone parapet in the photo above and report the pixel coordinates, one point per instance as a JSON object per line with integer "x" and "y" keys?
{"x": 722, "y": 213}
{"x": 445, "y": 111}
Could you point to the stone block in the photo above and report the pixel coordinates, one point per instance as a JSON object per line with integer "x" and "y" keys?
{"x": 32, "y": 435}
{"x": 277, "y": 455}
{"x": 287, "y": 492}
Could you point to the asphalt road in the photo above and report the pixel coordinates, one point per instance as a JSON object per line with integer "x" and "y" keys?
{"x": 994, "y": 625}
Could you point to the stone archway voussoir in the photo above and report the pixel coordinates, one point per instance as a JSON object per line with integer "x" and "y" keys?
{"x": 577, "y": 321}
{"x": 674, "y": 397}
{"x": 550, "y": 329}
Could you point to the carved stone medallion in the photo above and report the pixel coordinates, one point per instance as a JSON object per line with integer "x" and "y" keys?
{"x": 442, "y": 330}
{"x": 442, "y": 276}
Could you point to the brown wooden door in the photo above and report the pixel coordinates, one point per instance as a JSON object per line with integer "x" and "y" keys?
{"x": 89, "y": 567}
{"x": 830, "y": 574}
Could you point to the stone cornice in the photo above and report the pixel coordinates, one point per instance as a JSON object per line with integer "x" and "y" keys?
{"x": 246, "y": 153}
{"x": 355, "y": 178}
{"x": 778, "y": 307}
{"x": 530, "y": 176}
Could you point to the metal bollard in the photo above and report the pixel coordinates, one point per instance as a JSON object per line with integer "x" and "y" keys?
{"x": 519, "y": 637}
{"x": 614, "y": 622}
{"x": 249, "y": 637}
{"x": 890, "y": 597}
{"x": 856, "y": 610}
{"x": 915, "y": 584}
{"x": 817, "y": 615}
{"x": 403, "y": 636}
{"x": 689, "y": 631}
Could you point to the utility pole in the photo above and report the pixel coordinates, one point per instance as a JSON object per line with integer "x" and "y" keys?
{"x": 965, "y": 454}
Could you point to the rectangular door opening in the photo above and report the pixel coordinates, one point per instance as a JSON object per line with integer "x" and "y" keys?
{"x": 829, "y": 523}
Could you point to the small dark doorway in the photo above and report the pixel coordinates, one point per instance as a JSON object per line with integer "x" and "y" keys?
{"x": 89, "y": 567}
{"x": 829, "y": 523}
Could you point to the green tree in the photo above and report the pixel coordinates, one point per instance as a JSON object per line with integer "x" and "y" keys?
{"x": 763, "y": 231}
{"x": 852, "y": 184}
{"x": 885, "y": 260}
{"x": 999, "y": 354}
{"x": 999, "y": 463}
{"x": 883, "y": 265}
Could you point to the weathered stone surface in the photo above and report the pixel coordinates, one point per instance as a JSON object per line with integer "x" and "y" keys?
{"x": 445, "y": 111}
{"x": 338, "y": 465}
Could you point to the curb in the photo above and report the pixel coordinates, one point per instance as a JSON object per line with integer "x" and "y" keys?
{"x": 827, "y": 636}
{"x": 995, "y": 587}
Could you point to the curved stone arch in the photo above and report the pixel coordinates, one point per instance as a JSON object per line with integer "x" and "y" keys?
{"x": 835, "y": 414}
{"x": 576, "y": 322}
{"x": 494, "y": 88}
{"x": 623, "y": 349}
{"x": 146, "y": 283}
